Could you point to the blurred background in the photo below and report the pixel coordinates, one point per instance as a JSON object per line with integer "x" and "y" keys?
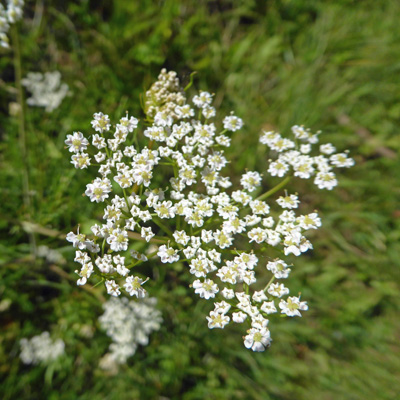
{"x": 330, "y": 65}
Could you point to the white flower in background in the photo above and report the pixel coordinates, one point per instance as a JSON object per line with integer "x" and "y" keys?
{"x": 46, "y": 89}
{"x": 14, "y": 10}
{"x": 41, "y": 349}
{"x": 50, "y": 255}
{"x": 129, "y": 324}
{"x": 4, "y": 25}
{"x": 8, "y": 16}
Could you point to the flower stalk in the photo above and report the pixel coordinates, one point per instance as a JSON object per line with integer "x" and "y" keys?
{"x": 22, "y": 139}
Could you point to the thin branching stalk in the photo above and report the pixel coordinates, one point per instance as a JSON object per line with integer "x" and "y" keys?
{"x": 22, "y": 134}
{"x": 274, "y": 189}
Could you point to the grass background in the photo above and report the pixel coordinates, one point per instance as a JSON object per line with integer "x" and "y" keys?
{"x": 331, "y": 65}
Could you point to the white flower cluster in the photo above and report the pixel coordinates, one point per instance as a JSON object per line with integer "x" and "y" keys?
{"x": 41, "y": 349}
{"x": 9, "y": 15}
{"x": 294, "y": 156}
{"x": 129, "y": 324}
{"x": 195, "y": 215}
{"x": 47, "y": 89}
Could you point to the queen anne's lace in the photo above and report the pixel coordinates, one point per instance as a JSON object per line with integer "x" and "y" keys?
{"x": 195, "y": 217}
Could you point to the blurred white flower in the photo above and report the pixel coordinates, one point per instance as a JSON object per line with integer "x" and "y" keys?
{"x": 46, "y": 89}
{"x": 41, "y": 349}
{"x": 129, "y": 324}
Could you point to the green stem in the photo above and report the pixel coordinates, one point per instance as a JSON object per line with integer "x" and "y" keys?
{"x": 246, "y": 288}
{"x": 126, "y": 198}
{"x": 126, "y": 214}
{"x": 103, "y": 246}
{"x": 106, "y": 149}
{"x": 135, "y": 140}
{"x": 191, "y": 81}
{"x": 269, "y": 283}
{"x": 166, "y": 230}
{"x": 274, "y": 189}
{"x": 138, "y": 262}
{"x": 22, "y": 133}
{"x": 135, "y": 188}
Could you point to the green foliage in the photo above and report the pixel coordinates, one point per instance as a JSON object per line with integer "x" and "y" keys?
{"x": 326, "y": 64}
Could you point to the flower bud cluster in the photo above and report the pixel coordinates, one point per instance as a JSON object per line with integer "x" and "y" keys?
{"x": 41, "y": 349}
{"x": 9, "y": 15}
{"x": 164, "y": 95}
{"x": 230, "y": 239}
{"x": 129, "y": 324}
